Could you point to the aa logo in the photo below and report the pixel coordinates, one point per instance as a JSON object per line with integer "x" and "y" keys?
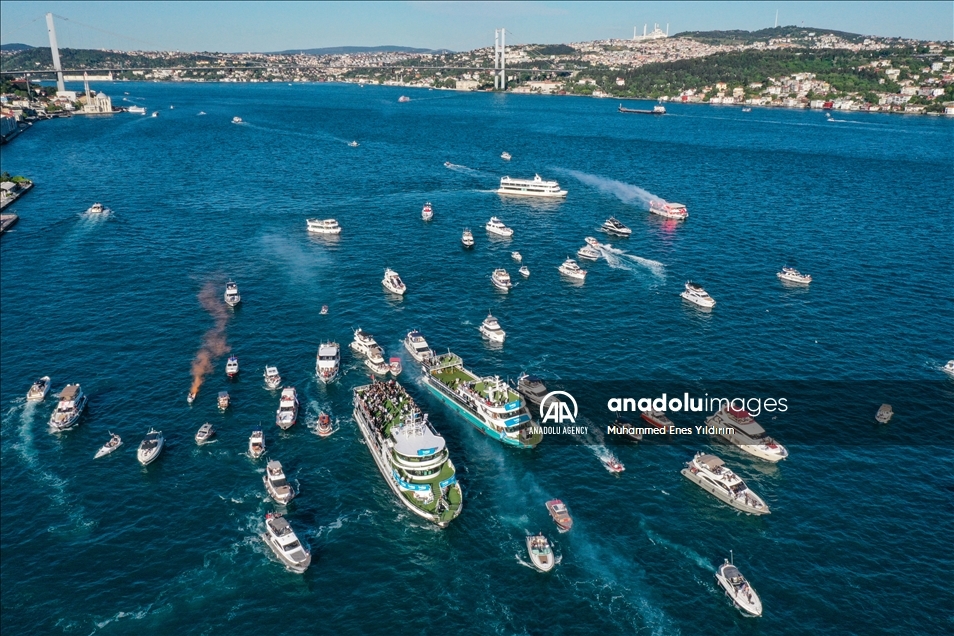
{"x": 553, "y": 409}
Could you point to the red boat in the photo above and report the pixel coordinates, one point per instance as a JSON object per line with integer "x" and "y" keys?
{"x": 612, "y": 464}
{"x": 656, "y": 418}
{"x": 560, "y": 514}
{"x": 324, "y": 425}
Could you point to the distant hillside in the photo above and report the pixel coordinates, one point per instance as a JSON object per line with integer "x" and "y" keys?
{"x": 39, "y": 58}
{"x": 346, "y": 50}
{"x": 763, "y": 35}
{"x": 15, "y": 46}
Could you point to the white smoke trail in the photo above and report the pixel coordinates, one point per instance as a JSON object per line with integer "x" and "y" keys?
{"x": 625, "y": 192}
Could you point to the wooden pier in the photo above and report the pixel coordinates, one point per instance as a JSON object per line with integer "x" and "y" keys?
{"x": 7, "y": 221}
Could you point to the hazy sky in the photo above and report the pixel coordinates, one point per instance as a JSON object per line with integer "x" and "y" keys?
{"x": 274, "y": 26}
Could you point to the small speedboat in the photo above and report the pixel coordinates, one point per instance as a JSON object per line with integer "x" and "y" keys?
{"x": 694, "y": 293}
{"x": 115, "y": 441}
{"x": 276, "y": 484}
{"x": 949, "y": 368}
{"x": 324, "y": 425}
{"x": 524, "y": 271}
{"x": 353, "y": 144}
{"x": 792, "y": 275}
{"x": 232, "y": 297}
{"x": 403, "y": 98}
{"x": 541, "y": 554}
{"x": 204, "y": 434}
{"x": 224, "y": 400}
{"x": 612, "y": 464}
{"x": 467, "y": 238}
{"x": 516, "y": 256}
{"x": 393, "y": 283}
{"x": 496, "y": 226}
{"x": 39, "y": 389}
{"x": 448, "y": 164}
{"x": 272, "y": 379}
{"x": 561, "y": 516}
{"x": 738, "y": 589}
{"x": 256, "y": 443}
{"x": 746, "y": 110}
{"x": 394, "y": 364}
{"x": 232, "y": 367}
{"x": 190, "y": 398}
{"x": 156, "y": 114}
{"x": 501, "y": 279}
{"x": 884, "y": 414}
{"x": 505, "y": 156}
{"x": 150, "y": 447}
{"x": 427, "y": 213}
{"x": 324, "y": 310}
{"x": 588, "y": 252}
{"x": 570, "y": 269}
{"x": 490, "y": 329}
{"x": 285, "y": 544}
{"x": 614, "y": 226}
{"x": 287, "y": 413}
{"x": 236, "y": 120}
{"x": 96, "y": 208}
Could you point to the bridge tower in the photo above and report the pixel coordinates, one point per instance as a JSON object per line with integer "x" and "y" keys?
{"x": 500, "y": 60}
{"x": 60, "y": 85}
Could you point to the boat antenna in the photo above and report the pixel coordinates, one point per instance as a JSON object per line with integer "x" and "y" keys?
{"x": 731, "y": 558}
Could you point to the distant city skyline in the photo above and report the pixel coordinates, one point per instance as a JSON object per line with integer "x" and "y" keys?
{"x": 277, "y": 26}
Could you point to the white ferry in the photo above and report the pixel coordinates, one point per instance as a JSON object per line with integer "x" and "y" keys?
{"x": 669, "y": 210}
{"x": 393, "y": 283}
{"x": 535, "y": 187}
{"x": 328, "y": 362}
{"x": 323, "y": 226}
{"x": 137, "y": 110}
{"x": 696, "y": 294}
{"x": 747, "y": 434}
{"x": 417, "y": 346}
{"x": 712, "y": 475}
{"x": 287, "y": 413}
{"x": 792, "y": 275}
{"x": 496, "y": 226}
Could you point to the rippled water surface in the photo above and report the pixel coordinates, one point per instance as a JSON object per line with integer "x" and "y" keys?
{"x": 855, "y": 541}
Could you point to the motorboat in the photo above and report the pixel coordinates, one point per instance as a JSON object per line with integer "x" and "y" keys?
{"x": 949, "y": 368}
{"x": 516, "y": 256}
{"x": 657, "y": 419}
{"x": 792, "y": 275}
{"x": 570, "y": 269}
{"x": 427, "y": 213}
{"x": 531, "y": 388}
{"x": 276, "y": 484}
{"x": 68, "y": 411}
{"x": 541, "y": 554}
{"x": 417, "y": 346}
{"x": 403, "y": 98}
{"x": 223, "y": 400}
{"x": 884, "y": 414}
{"x": 496, "y": 226}
{"x": 136, "y": 110}
{"x": 448, "y": 164}
{"x": 393, "y": 283}
{"x": 612, "y": 464}
{"x": 193, "y": 393}
{"x": 287, "y": 413}
{"x": 524, "y": 271}
{"x": 535, "y": 187}
{"x": 490, "y": 329}
{"x": 323, "y": 226}
{"x": 236, "y": 120}
{"x": 738, "y": 589}
{"x": 669, "y": 210}
{"x": 736, "y": 426}
{"x": 324, "y": 425}
{"x": 232, "y": 367}
{"x": 588, "y": 252}
{"x": 506, "y": 156}
{"x": 375, "y": 361}
{"x": 205, "y": 434}
{"x": 285, "y": 544}
{"x": 561, "y": 516}
{"x": 614, "y": 226}
{"x": 621, "y": 422}
{"x": 115, "y": 441}
{"x": 201, "y": 112}
{"x": 328, "y": 362}
{"x": 394, "y": 364}
{"x": 501, "y": 279}
{"x": 353, "y": 144}
{"x": 467, "y": 238}
{"x": 39, "y": 389}
{"x": 324, "y": 310}
{"x": 156, "y": 114}
{"x": 232, "y": 297}
{"x": 363, "y": 343}
{"x": 150, "y": 447}
{"x": 694, "y": 293}
{"x": 592, "y": 242}
{"x": 96, "y": 208}
{"x": 256, "y": 443}
{"x": 272, "y": 379}
{"x": 746, "y": 109}
{"x": 712, "y": 475}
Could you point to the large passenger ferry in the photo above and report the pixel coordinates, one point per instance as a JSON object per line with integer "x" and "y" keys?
{"x": 535, "y": 187}
{"x": 411, "y": 455}
{"x": 488, "y": 403}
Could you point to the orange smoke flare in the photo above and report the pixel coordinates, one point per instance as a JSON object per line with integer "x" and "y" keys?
{"x": 214, "y": 344}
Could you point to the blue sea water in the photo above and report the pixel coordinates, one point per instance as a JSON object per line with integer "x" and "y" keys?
{"x": 858, "y": 539}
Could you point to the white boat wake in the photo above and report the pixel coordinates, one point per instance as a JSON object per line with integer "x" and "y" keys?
{"x": 464, "y": 169}
{"x": 625, "y": 192}
{"x": 620, "y": 259}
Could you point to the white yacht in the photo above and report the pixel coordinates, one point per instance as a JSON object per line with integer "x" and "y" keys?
{"x": 323, "y": 226}
{"x": 156, "y": 114}
{"x": 272, "y": 379}
{"x": 592, "y": 242}
{"x": 353, "y": 144}
{"x": 393, "y": 283}
{"x": 738, "y": 589}
{"x": 541, "y": 554}
{"x": 375, "y": 361}
{"x": 404, "y": 98}
{"x": 467, "y": 238}
{"x": 363, "y": 343}
{"x": 285, "y": 544}
{"x": 287, "y": 413}
{"x": 884, "y": 414}
{"x": 71, "y": 405}
{"x": 712, "y": 475}
{"x": 746, "y": 434}
{"x": 224, "y": 400}
{"x": 588, "y": 252}
{"x": 205, "y": 434}
{"x": 490, "y": 329}
{"x": 276, "y": 484}
{"x": 236, "y": 120}
{"x": 668, "y": 210}
{"x": 427, "y": 213}
{"x": 329, "y": 361}
{"x": 417, "y": 346}
{"x": 696, "y": 294}
{"x": 501, "y": 279}
{"x": 792, "y": 275}
{"x": 150, "y": 447}
{"x": 531, "y": 388}
{"x": 517, "y": 256}
{"x": 570, "y": 269}
{"x": 949, "y": 368}
{"x": 506, "y": 156}
{"x": 232, "y": 297}
{"x": 535, "y": 187}
{"x": 613, "y": 225}
{"x": 324, "y": 310}
{"x": 497, "y": 227}
{"x": 137, "y": 110}
{"x": 115, "y": 441}
{"x": 256, "y": 443}
{"x": 232, "y": 367}
{"x": 524, "y": 271}
{"x": 39, "y": 389}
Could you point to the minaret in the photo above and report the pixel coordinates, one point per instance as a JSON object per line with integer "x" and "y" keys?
{"x": 60, "y": 85}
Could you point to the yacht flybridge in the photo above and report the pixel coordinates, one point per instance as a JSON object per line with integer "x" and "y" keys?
{"x": 615, "y": 226}
{"x": 323, "y": 226}
{"x": 287, "y": 413}
{"x": 497, "y": 227}
{"x": 738, "y": 589}
{"x": 535, "y": 187}
{"x": 71, "y": 405}
{"x": 792, "y": 275}
{"x": 712, "y": 475}
{"x": 232, "y": 297}
{"x": 746, "y": 434}
{"x": 570, "y": 269}
{"x": 490, "y": 329}
{"x": 669, "y": 210}
{"x": 363, "y": 343}
{"x": 696, "y": 294}
{"x": 285, "y": 544}
{"x": 375, "y": 361}
{"x": 328, "y": 362}
{"x": 272, "y": 379}
{"x": 417, "y": 346}
{"x": 277, "y": 484}
{"x": 501, "y": 279}
{"x": 393, "y": 283}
